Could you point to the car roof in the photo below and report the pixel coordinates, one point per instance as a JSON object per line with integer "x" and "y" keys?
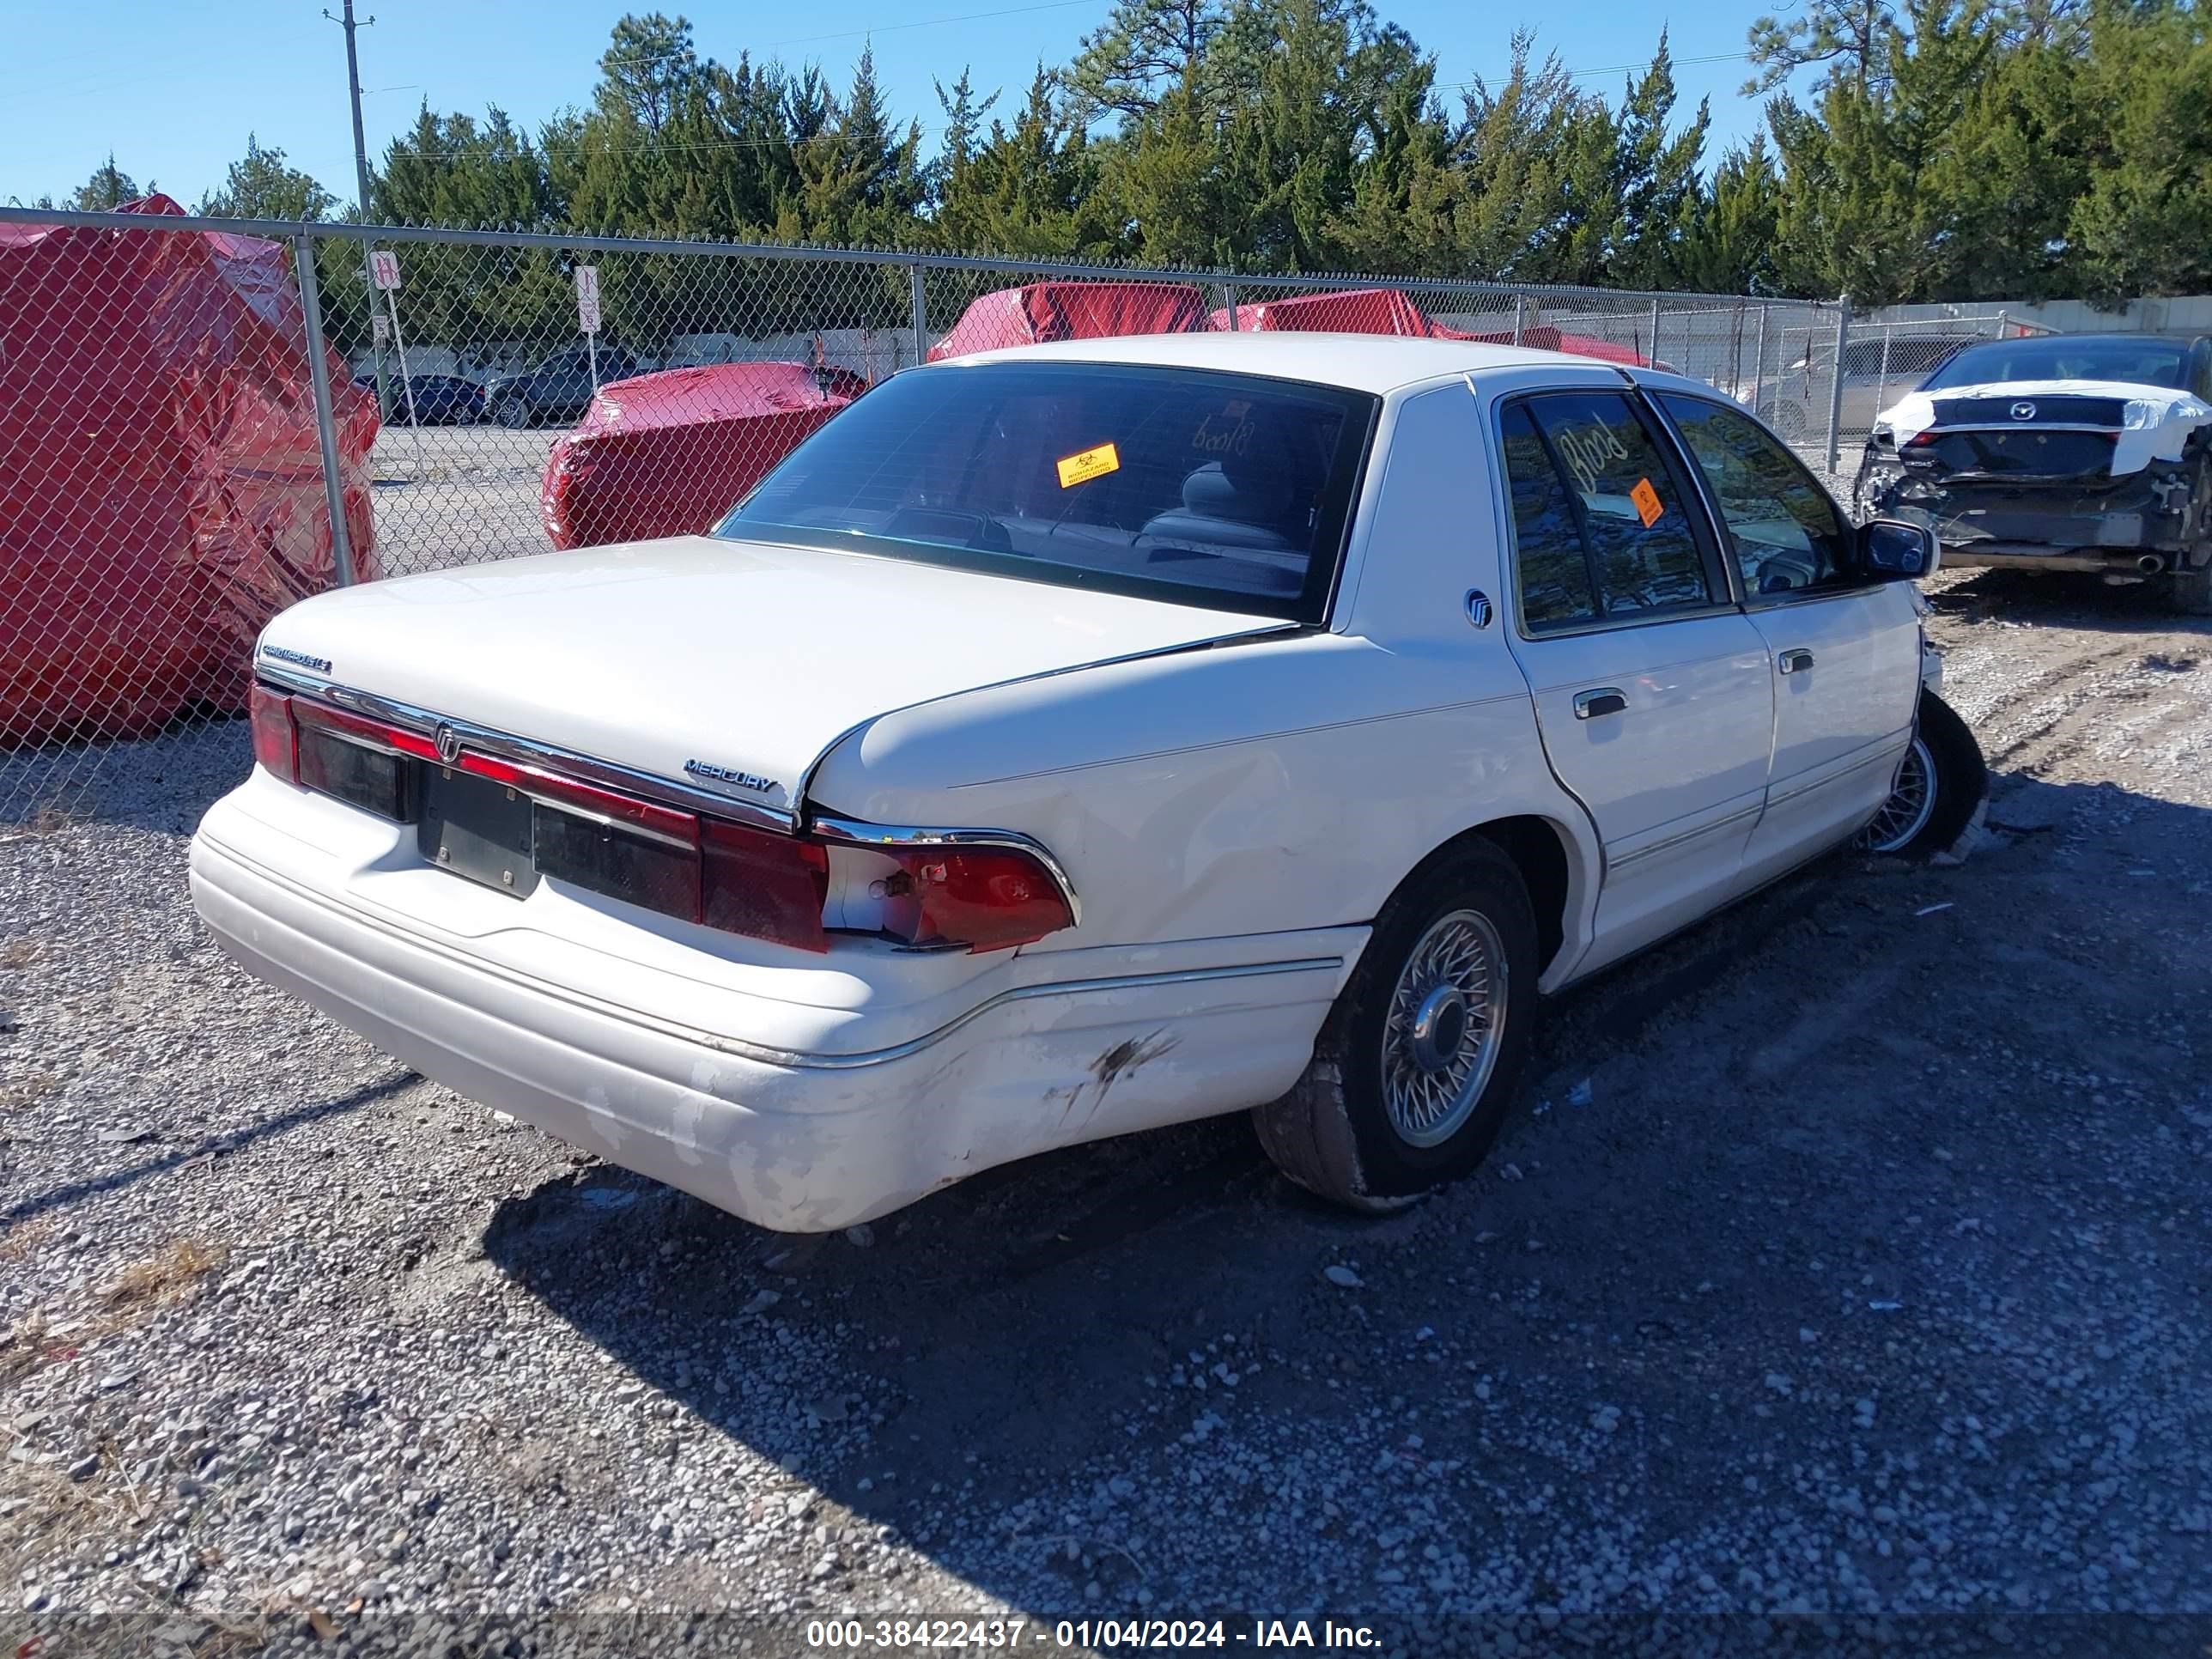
{"x": 1359, "y": 362}
{"x": 2108, "y": 339}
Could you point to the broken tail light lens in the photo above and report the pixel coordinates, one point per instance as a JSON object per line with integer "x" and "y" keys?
{"x": 988, "y": 899}
{"x": 953, "y": 896}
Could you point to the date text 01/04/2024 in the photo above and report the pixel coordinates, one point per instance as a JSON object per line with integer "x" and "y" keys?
{"x": 1108, "y": 1634}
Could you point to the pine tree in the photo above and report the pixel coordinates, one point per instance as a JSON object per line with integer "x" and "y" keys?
{"x": 1030, "y": 189}
{"x": 262, "y": 187}
{"x": 1727, "y": 245}
{"x": 108, "y": 188}
{"x": 1146, "y": 51}
{"x": 1658, "y": 193}
{"x": 1406, "y": 195}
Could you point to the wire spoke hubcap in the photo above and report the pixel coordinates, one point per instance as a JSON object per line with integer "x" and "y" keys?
{"x": 1909, "y": 806}
{"x": 1447, "y": 1018}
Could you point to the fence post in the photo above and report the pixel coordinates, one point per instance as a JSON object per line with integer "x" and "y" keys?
{"x": 1835, "y": 379}
{"x": 1652, "y": 349}
{"x": 318, "y": 377}
{"x": 1229, "y": 292}
{"x": 918, "y": 296}
{"x": 1519, "y": 317}
{"x": 1758, "y": 360}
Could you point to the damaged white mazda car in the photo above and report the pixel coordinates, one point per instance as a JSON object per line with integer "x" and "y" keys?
{"x": 1073, "y": 740}
{"x": 2062, "y": 452}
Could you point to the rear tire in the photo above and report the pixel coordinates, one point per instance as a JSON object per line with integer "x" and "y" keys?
{"x": 1413, "y": 1073}
{"x": 1943, "y": 780}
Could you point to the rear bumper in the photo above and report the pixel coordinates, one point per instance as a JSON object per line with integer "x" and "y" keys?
{"x": 2136, "y": 525}
{"x": 793, "y": 1140}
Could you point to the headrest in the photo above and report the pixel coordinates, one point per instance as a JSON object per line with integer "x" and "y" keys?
{"x": 1238, "y": 491}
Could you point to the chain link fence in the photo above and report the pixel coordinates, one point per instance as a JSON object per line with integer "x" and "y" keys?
{"x": 171, "y": 445}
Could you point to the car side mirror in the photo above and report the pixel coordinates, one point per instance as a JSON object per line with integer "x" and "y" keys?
{"x": 1899, "y": 550}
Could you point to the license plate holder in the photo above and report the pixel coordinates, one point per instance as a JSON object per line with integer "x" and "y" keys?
{"x": 478, "y": 829}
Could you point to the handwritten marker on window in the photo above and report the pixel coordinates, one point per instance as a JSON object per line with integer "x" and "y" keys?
{"x": 1088, "y": 464}
{"x": 1648, "y": 507}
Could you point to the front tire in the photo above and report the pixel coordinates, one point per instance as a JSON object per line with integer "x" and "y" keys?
{"x": 513, "y": 414}
{"x": 1413, "y": 1073}
{"x": 1943, "y": 780}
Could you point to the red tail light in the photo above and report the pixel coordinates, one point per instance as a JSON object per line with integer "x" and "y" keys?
{"x": 761, "y": 883}
{"x": 276, "y": 739}
{"x": 986, "y": 898}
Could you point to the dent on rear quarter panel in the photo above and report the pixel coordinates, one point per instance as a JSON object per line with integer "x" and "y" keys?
{"x": 1273, "y": 784}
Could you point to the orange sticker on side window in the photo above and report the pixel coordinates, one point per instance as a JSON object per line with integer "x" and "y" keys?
{"x": 1085, "y": 464}
{"x": 1648, "y": 507}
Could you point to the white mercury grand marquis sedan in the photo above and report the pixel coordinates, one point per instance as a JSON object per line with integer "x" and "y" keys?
{"x": 1072, "y": 740}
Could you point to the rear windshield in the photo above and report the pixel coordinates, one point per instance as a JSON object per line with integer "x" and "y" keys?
{"x": 1226, "y": 490}
{"x": 2057, "y": 357}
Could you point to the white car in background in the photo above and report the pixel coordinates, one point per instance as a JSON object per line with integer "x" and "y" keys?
{"x": 1072, "y": 740}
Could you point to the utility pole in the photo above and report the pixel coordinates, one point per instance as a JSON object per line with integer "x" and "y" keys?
{"x": 361, "y": 188}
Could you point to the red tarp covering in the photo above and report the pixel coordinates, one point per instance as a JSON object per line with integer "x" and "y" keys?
{"x": 1386, "y": 311}
{"x": 668, "y": 454}
{"x": 1072, "y": 311}
{"x": 1356, "y": 311}
{"x": 160, "y": 483}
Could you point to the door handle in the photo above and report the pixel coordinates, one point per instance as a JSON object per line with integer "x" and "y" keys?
{"x": 1793, "y": 662}
{"x": 1599, "y": 701}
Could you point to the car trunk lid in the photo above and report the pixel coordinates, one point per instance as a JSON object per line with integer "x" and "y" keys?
{"x": 729, "y": 666}
{"x": 2039, "y": 435}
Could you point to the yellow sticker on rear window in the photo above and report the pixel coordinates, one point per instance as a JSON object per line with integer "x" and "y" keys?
{"x": 1085, "y": 464}
{"x": 1648, "y": 507}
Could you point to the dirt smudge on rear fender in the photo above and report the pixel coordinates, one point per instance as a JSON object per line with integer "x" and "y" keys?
{"x": 1125, "y": 1056}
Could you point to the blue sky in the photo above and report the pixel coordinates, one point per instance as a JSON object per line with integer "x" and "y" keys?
{"x": 174, "y": 87}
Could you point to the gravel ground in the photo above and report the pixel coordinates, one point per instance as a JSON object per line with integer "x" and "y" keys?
{"x": 457, "y": 494}
{"x": 1849, "y": 1256}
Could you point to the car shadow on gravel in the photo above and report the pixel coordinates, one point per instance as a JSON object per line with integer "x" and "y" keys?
{"x": 1037, "y": 1342}
{"x": 164, "y": 782}
{"x": 2064, "y": 598}
{"x": 207, "y": 1149}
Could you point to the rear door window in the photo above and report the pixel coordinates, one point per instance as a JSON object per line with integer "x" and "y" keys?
{"x": 1590, "y": 479}
{"x": 1556, "y": 588}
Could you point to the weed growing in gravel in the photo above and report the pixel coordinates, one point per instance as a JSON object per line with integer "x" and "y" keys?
{"x": 27, "y": 1346}
{"x": 54, "y": 817}
{"x": 27, "y": 1090}
{"x": 166, "y": 1277}
{"x": 16, "y": 1242}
